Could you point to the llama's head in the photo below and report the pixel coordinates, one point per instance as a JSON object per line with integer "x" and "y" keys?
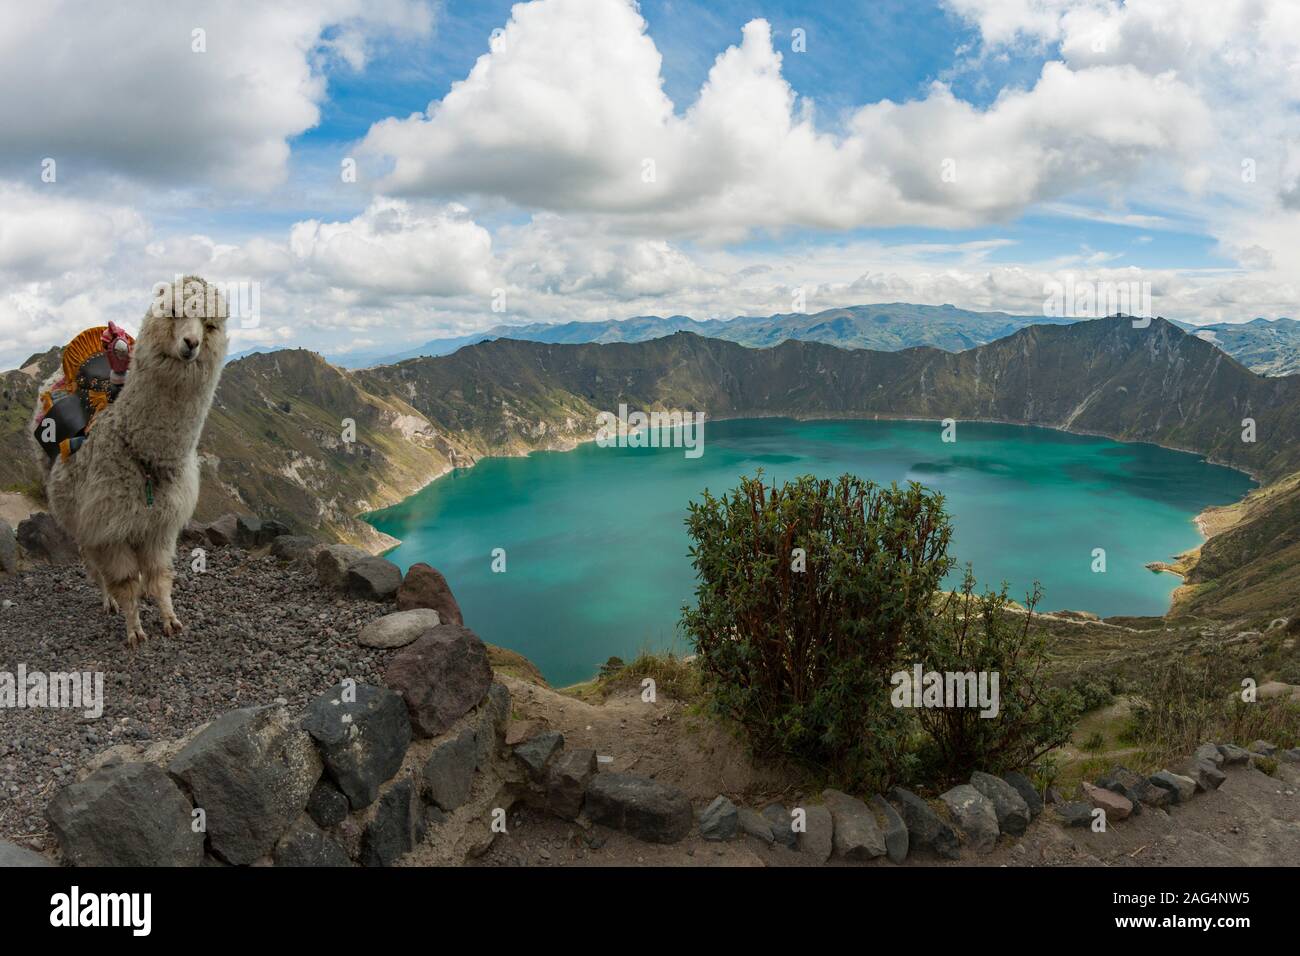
{"x": 184, "y": 331}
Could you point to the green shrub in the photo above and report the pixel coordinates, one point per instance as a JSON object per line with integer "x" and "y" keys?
{"x": 982, "y": 634}
{"x": 808, "y": 594}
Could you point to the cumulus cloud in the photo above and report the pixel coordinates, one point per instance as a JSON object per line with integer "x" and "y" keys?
{"x": 123, "y": 90}
{"x": 538, "y": 125}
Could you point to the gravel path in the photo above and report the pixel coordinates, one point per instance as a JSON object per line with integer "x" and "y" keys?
{"x": 255, "y": 630}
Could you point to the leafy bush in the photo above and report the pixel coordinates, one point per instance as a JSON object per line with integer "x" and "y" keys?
{"x": 807, "y": 595}
{"x": 983, "y": 634}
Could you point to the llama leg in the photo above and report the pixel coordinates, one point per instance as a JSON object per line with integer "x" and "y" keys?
{"x": 97, "y": 579}
{"x": 119, "y": 569}
{"x": 158, "y": 584}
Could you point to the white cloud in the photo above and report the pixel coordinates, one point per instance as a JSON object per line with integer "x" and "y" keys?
{"x": 554, "y": 120}
{"x": 120, "y": 88}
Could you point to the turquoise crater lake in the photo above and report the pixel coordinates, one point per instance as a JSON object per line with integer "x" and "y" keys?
{"x": 596, "y": 562}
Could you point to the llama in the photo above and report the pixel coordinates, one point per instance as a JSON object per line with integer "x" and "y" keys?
{"x": 128, "y": 491}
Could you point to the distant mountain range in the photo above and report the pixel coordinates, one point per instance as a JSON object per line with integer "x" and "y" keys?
{"x": 1266, "y": 347}
{"x": 273, "y": 442}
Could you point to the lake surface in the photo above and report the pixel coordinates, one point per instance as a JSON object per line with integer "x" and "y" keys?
{"x": 595, "y": 544}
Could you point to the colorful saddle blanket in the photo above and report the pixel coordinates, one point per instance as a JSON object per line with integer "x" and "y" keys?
{"x": 94, "y": 370}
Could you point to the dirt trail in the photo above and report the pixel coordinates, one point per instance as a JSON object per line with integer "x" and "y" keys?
{"x": 1252, "y": 820}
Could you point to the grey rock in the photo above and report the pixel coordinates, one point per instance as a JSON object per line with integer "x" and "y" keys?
{"x": 1011, "y": 809}
{"x": 1180, "y": 788}
{"x": 1210, "y": 753}
{"x": 304, "y": 844}
{"x": 567, "y": 779}
{"x": 1206, "y": 774}
{"x": 974, "y": 813}
{"x": 41, "y": 538}
{"x": 1232, "y": 754}
{"x": 221, "y": 533}
{"x": 719, "y": 820}
{"x": 442, "y": 676}
{"x": 1136, "y": 788}
{"x": 8, "y": 549}
{"x": 892, "y": 827}
{"x": 363, "y": 741}
{"x": 1290, "y": 756}
{"x": 1028, "y": 792}
{"x": 129, "y": 814}
{"x": 373, "y": 579}
{"x": 1263, "y": 747}
{"x": 817, "y": 840}
{"x": 11, "y": 854}
{"x": 248, "y": 530}
{"x": 397, "y": 826}
{"x": 292, "y": 547}
{"x": 755, "y": 824}
{"x": 327, "y": 805}
{"x": 647, "y": 809}
{"x": 536, "y": 752}
{"x": 332, "y": 563}
{"x": 397, "y": 629}
{"x": 490, "y": 732}
{"x": 1076, "y": 813}
{"x": 782, "y": 825}
{"x": 925, "y": 829}
{"x": 856, "y": 836}
{"x": 448, "y": 774}
{"x": 268, "y": 532}
{"x": 251, "y": 772}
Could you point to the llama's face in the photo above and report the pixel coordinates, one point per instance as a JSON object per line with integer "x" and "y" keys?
{"x": 189, "y": 326}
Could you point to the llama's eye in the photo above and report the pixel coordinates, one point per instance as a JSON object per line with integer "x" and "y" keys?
{"x": 210, "y": 328}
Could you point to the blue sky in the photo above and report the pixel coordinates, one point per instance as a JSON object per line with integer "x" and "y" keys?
{"x": 963, "y": 151}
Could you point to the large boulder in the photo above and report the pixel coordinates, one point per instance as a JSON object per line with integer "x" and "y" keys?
{"x": 719, "y": 820}
{"x": 251, "y": 772}
{"x": 327, "y": 805}
{"x": 292, "y": 547}
{"x": 425, "y": 587}
{"x": 1136, "y": 788}
{"x": 567, "y": 780}
{"x": 925, "y": 829}
{"x": 783, "y": 832}
{"x": 755, "y": 824}
{"x": 1028, "y": 792}
{"x": 817, "y": 838}
{"x": 13, "y": 855}
{"x": 304, "y": 844}
{"x": 332, "y": 563}
{"x": 222, "y": 532}
{"x": 892, "y": 828}
{"x": 490, "y": 730}
{"x": 1181, "y": 789}
{"x": 8, "y": 548}
{"x": 127, "y": 814}
{"x": 1208, "y": 752}
{"x": 1011, "y": 809}
{"x": 42, "y": 539}
{"x": 396, "y": 827}
{"x": 1232, "y": 754}
{"x": 1205, "y": 772}
{"x": 857, "y": 836}
{"x": 647, "y": 809}
{"x": 442, "y": 676}
{"x": 448, "y": 774}
{"x": 1116, "y": 805}
{"x": 362, "y": 733}
{"x": 397, "y": 629}
{"x": 974, "y": 814}
{"x": 373, "y": 579}
{"x": 537, "y": 751}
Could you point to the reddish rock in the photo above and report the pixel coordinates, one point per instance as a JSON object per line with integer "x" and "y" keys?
{"x": 442, "y": 676}
{"x": 1117, "y": 806}
{"x": 426, "y": 587}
